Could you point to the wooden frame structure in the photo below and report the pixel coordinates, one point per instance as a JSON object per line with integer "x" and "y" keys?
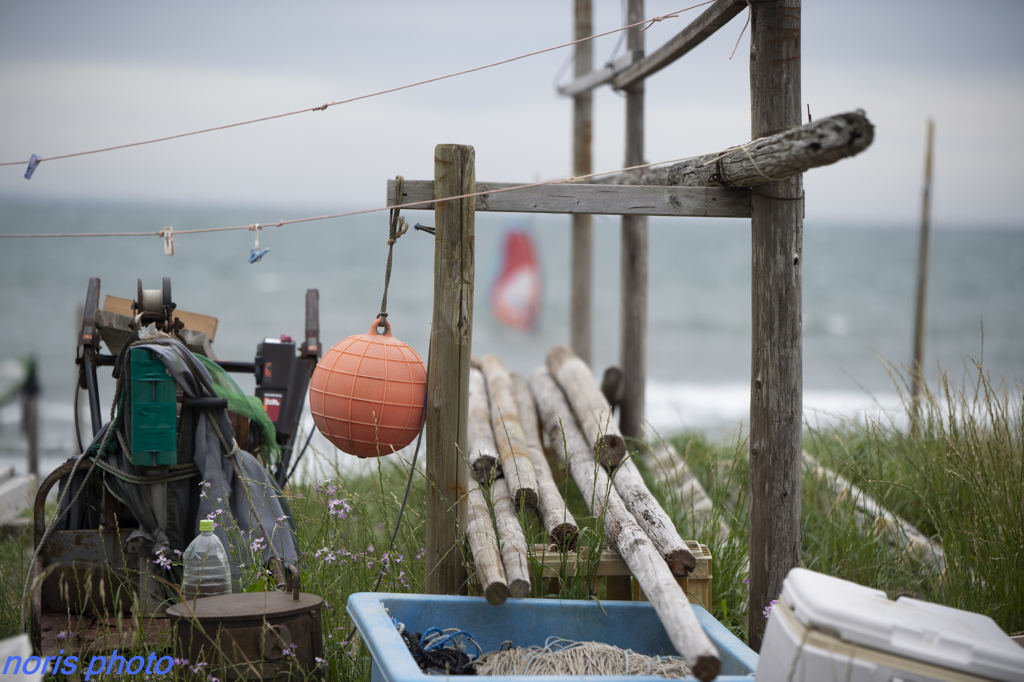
{"x": 776, "y": 211}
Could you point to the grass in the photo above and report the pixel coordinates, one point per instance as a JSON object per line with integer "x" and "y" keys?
{"x": 956, "y": 473}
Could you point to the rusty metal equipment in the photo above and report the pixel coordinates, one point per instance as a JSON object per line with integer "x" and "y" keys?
{"x": 252, "y": 636}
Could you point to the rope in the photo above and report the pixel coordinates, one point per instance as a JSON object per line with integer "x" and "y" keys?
{"x": 432, "y": 652}
{"x": 397, "y": 229}
{"x": 323, "y": 107}
{"x": 160, "y": 233}
{"x": 565, "y": 657}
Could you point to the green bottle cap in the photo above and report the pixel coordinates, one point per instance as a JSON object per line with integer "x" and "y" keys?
{"x": 205, "y": 525}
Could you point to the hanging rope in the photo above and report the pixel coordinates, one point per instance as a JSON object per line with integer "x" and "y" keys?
{"x": 397, "y": 229}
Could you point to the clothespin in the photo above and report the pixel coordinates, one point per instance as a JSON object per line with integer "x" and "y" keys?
{"x": 256, "y": 255}
{"x": 33, "y": 163}
{"x": 168, "y": 234}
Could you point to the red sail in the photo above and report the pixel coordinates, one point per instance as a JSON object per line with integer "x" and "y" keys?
{"x": 517, "y": 292}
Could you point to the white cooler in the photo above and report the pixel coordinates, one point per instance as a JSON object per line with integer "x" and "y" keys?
{"x": 824, "y": 628}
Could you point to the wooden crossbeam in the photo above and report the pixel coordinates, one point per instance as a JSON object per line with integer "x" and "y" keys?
{"x": 712, "y": 19}
{"x": 597, "y": 78}
{"x": 703, "y": 202}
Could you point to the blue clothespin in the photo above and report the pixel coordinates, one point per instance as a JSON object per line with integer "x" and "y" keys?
{"x": 256, "y": 255}
{"x": 33, "y": 163}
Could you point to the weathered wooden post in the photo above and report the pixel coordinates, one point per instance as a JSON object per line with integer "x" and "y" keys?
{"x": 917, "y": 369}
{"x": 776, "y": 393}
{"x": 633, "y": 316}
{"x": 451, "y": 336}
{"x": 581, "y": 326}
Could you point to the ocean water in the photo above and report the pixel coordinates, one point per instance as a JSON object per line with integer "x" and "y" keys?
{"x": 858, "y": 300}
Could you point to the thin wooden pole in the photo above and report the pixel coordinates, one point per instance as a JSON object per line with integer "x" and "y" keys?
{"x": 776, "y": 394}
{"x": 451, "y": 336}
{"x": 633, "y": 315}
{"x": 581, "y": 318}
{"x": 917, "y": 372}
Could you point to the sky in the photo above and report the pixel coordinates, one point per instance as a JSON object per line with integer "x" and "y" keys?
{"x": 77, "y": 76}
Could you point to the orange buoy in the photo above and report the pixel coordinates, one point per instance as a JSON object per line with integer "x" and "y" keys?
{"x": 368, "y": 393}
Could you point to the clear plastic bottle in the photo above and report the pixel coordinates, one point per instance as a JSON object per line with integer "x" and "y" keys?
{"x": 207, "y": 571}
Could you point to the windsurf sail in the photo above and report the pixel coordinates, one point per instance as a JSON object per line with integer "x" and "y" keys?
{"x": 518, "y": 291}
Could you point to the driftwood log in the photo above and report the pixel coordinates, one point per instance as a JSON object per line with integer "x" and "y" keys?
{"x": 513, "y": 542}
{"x": 589, "y": 404}
{"x": 508, "y": 435}
{"x": 652, "y": 518}
{"x": 640, "y": 554}
{"x": 483, "y": 452}
{"x": 558, "y": 521}
{"x": 766, "y": 159}
{"x": 484, "y": 544}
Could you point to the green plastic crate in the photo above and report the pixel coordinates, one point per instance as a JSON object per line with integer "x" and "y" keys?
{"x": 152, "y": 411}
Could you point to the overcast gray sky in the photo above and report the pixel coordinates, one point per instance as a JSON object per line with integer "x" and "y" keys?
{"x": 80, "y": 75}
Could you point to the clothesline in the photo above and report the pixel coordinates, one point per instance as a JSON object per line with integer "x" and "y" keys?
{"x": 647, "y": 23}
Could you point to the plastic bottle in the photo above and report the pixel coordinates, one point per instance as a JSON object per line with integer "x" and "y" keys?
{"x": 207, "y": 572}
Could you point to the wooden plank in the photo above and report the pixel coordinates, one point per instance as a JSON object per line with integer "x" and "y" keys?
{"x": 701, "y": 28}
{"x": 593, "y": 79}
{"x": 639, "y": 553}
{"x": 451, "y": 336}
{"x": 581, "y": 296}
{"x": 633, "y": 258}
{"x": 194, "y": 321}
{"x": 776, "y": 394}
{"x": 700, "y": 202}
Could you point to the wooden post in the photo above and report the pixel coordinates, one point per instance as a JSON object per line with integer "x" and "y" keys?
{"x": 508, "y": 436}
{"x": 483, "y": 542}
{"x": 451, "y": 336}
{"x": 776, "y": 394}
{"x": 633, "y": 316}
{"x": 917, "y": 369}
{"x": 581, "y": 325}
{"x": 30, "y": 400}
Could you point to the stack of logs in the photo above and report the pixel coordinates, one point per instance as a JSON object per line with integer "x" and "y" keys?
{"x": 506, "y": 457}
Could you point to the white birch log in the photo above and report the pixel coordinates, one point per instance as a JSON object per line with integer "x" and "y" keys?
{"x": 897, "y": 531}
{"x": 483, "y": 542}
{"x": 673, "y": 474}
{"x": 483, "y": 452}
{"x": 589, "y": 405}
{"x": 766, "y": 159}
{"x": 514, "y": 555}
{"x": 558, "y": 521}
{"x": 508, "y": 435}
{"x": 652, "y": 518}
{"x": 637, "y": 550}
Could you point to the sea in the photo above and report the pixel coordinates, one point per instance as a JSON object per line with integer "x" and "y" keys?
{"x": 859, "y": 289}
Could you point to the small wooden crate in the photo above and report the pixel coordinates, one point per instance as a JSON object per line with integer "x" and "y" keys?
{"x": 619, "y": 581}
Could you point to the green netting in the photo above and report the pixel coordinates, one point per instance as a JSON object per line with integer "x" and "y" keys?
{"x": 246, "y": 405}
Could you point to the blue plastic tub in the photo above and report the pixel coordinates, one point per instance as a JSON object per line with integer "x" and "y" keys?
{"x": 528, "y": 622}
